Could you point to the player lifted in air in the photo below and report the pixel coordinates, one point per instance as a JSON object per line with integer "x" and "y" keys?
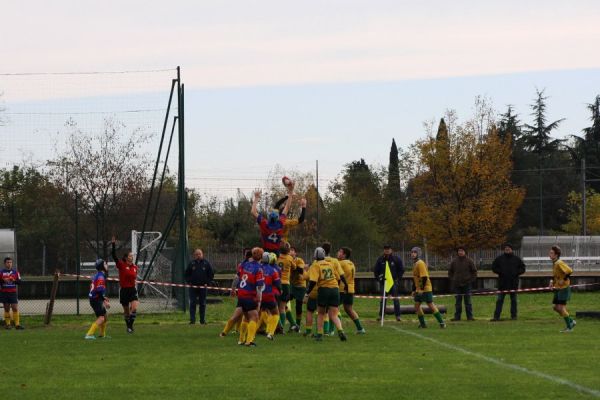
{"x": 423, "y": 292}
{"x": 9, "y": 280}
{"x": 271, "y": 227}
{"x": 290, "y": 222}
{"x": 98, "y": 300}
{"x": 324, "y": 274}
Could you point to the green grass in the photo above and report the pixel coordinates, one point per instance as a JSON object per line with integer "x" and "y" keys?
{"x": 168, "y": 359}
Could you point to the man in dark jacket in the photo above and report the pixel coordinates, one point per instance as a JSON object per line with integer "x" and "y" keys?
{"x": 508, "y": 267}
{"x": 397, "y": 270}
{"x": 198, "y": 273}
{"x": 463, "y": 274}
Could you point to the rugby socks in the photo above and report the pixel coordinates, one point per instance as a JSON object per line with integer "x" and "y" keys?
{"x": 103, "y": 329}
{"x": 568, "y": 320}
{"x": 282, "y": 319}
{"x": 325, "y": 326}
{"x": 92, "y": 329}
{"x": 438, "y": 316}
{"x": 244, "y": 331}
{"x": 251, "y": 335}
{"x": 17, "y": 318}
{"x": 264, "y": 319}
{"x": 238, "y": 325}
{"x": 228, "y": 326}
{"x": 288, "y": 315}
{"x": 272, "y": 322}
{"x": 308, "y": 331}
{"x": 7, "y": 318}
{"x": 299, "y": 319}
{"x": 132, "y": 317}
{"x": 421, "y": 317}
{"x": 358, "y": 324}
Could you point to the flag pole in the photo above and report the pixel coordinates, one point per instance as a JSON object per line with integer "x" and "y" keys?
{"x": 383, "y": 303}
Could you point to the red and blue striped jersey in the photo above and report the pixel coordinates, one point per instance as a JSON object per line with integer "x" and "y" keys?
{"x": 98, "y": 286}
{"x": 270, "y": 276}
{"x": 251, "y": 278}
{"x": 10, "y": 279}
{"x": 271, "y": 235}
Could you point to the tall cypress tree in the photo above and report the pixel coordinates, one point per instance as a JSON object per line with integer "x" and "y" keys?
{"x": 393, "y": 185}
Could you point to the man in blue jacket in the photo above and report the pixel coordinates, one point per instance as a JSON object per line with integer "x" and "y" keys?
{"x": 397, "y": 269}
{"x": 198, "y": 273}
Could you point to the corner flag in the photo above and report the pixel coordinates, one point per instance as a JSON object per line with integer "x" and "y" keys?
{"x": 389, "y": 280}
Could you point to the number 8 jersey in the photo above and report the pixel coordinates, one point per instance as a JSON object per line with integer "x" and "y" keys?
{"x": 250, "y": 278}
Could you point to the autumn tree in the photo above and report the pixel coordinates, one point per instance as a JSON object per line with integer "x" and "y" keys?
{"x": 573, "y": 226}
{"x": 464, "y": 196}
{"x": 109, "y": 172}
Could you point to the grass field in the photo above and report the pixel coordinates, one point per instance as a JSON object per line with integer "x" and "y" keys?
{"x": 168, "y": 359}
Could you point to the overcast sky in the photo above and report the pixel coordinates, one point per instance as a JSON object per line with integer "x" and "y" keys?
{"x": 289, "y": 82}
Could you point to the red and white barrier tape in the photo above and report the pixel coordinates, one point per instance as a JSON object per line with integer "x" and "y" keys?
{"x": 360, "y": 296}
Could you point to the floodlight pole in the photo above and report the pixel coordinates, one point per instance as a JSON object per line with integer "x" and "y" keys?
{"x": 181, "y": 194}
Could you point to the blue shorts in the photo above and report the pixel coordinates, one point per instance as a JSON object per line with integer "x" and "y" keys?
{"x": 247, "y": 304}
{"x": 9, "y": 298}
{"x": 98, "y": 307}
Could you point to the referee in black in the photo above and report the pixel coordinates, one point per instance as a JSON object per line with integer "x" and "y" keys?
{"x": 198, "y": 273}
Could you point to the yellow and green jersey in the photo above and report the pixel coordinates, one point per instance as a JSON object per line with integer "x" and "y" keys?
{"x": 324, "y": 273}
{"x": 419, "y": 272}
{"x": 336, "y": 264}
{"x": 560, "y": 270}
{"x": 285, "y": 262}
{"x": 306, "y": 276}
{"x": 297, "y": 278}
{"x": 287, "y": 225}
{"x": 349, "y": 272}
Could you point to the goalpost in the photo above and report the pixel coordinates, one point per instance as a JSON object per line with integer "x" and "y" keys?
{"x": 152, "y": 267}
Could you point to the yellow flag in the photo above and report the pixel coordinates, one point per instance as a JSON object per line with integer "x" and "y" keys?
{"x": 389, "y": 280}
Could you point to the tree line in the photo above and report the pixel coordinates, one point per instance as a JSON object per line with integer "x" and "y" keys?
{"x": 473, "y": 183}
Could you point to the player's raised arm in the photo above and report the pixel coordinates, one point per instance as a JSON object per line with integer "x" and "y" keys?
{"x": 254, "y": 210}
{"x": 302, "y": 210}
{"x": 113, "y": 249}
{"x": 288, "y": 203}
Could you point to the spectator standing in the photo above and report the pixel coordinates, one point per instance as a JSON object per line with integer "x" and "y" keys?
{"x": 463, "y": 275}
{"x": 198, "y": 273}
{"x": 508, "y": 267}
{"x": 397, "y": 270}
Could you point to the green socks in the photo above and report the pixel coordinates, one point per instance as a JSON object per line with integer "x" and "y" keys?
{"x": 358, "y": 325}
{"x": 326, "y": 326}
{"x": 282, "y": 319}
{"x": 568, "y": 320}
{"x": 290, "y": 318}
{"x": 422, "y": 320}
{"x": 438, "y": 316}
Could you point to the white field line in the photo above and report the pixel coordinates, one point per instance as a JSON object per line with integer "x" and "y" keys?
{"x": 500, "y": 363}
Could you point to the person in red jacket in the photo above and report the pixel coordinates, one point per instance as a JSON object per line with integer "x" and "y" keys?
{"x": 128, "y": 296}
